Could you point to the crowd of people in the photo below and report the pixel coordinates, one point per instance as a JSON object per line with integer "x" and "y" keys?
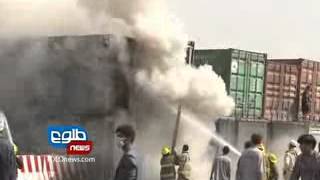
{"x": 255, "y": 162}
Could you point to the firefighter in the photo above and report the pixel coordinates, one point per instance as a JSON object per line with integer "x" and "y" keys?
{"x": 168, "y": 171}
{"x": 18, "y": 160}
{"x": 273, "y": 173}
{"x": 8, "y": 166}
{"x": 306, "y": 102}
{"x": 183, "y": 160}
{"x": 290, "y": 159}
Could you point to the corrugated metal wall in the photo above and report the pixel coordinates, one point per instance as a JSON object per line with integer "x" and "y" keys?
{"x": 285, "y": 83}
{"x": 243, "y": 73}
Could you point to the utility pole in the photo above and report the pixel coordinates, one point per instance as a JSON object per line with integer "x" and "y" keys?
{"x": 189, "y": 60}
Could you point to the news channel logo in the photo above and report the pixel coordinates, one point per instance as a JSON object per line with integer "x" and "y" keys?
{"x": 72, "y": 138}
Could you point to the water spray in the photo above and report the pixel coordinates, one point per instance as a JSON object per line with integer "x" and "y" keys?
{"x": 198, "y": 125}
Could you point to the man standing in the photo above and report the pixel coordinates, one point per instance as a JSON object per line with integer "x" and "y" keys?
{"x": 167, "y": 171}
{"x": 8, "y": 168}
{"x": 183, "y": 160}
{"x": 127, "y": 167}
{"x": 290, "y": 159}
{"x": 306, "y": 101}
{"x": 307, "y": 164}
{"x": 222, "y": 166}
{"x": 250, "y": 164}
{"x": 8, "y": 165}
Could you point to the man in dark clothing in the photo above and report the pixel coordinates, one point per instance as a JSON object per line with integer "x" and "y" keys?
{"x": 248, "y": 144}
{"x": 127, "y": 167}
{"x": 307, "y": 164}
{"x": 221, "y": 169}
{"x": 306, "y": 101}
{"x": 8, "y": 166}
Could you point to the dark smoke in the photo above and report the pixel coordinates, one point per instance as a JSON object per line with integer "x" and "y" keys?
{"x": 61, "y": 77}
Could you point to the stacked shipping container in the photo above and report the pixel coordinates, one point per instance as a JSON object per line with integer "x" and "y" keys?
{"x": 285, "y": 83}
{"x": 272, "y": 91}
{"x": 243, "y": 73}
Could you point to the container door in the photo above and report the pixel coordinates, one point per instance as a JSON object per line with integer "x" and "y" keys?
{"x": 317, "y": 93}
{"x": 308, "y": 77}
{"x": 238, "y": 82}
{"x": 255, "y": 79}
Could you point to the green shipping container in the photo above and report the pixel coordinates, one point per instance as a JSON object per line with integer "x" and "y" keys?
{"x": 243, "y": 72}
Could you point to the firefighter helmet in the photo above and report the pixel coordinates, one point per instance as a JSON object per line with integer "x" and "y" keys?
{"x": 273, "y": 158}
{"x": 166, "y": 150}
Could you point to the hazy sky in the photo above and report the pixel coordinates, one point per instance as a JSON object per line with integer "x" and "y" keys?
{"x": 282, "y": 28}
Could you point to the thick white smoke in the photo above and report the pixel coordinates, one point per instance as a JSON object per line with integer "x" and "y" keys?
{"x": 160, "y": 70}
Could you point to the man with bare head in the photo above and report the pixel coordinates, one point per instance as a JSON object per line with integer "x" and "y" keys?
{"x": 306, "y": 102}
{"x": 307, "y": 164}
{"x": 250, "y": 164}
{"x": 127, "y": 167}
{"x": 221, "y": 169}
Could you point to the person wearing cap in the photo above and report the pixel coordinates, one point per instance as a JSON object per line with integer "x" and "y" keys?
{"x": 183, "y": 161}
{"x": 167, "y": 162}
{"x": 250, "y": 164}
{"x": 290, "y": 159}
{"x": 221, "y": 169}
{"x": 307, "y": 163}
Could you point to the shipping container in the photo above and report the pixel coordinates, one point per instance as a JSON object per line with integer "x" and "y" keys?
{"x": 243, "y": 73}
{"x": 286, "y": 80}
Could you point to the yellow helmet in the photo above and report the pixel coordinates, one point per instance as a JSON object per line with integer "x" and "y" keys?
{"x": 166, "y": 150}
{"x": 273, "y": 158}
{"x": 261, "y": 147}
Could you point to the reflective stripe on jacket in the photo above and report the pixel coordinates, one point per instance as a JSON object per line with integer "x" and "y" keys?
{"x": 167, "y": 171}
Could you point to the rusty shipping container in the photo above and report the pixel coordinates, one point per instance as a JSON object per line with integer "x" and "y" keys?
{"x": 286, "y": 80}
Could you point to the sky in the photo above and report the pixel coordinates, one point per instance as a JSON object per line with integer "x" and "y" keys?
{"x": 281, "y": 28}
